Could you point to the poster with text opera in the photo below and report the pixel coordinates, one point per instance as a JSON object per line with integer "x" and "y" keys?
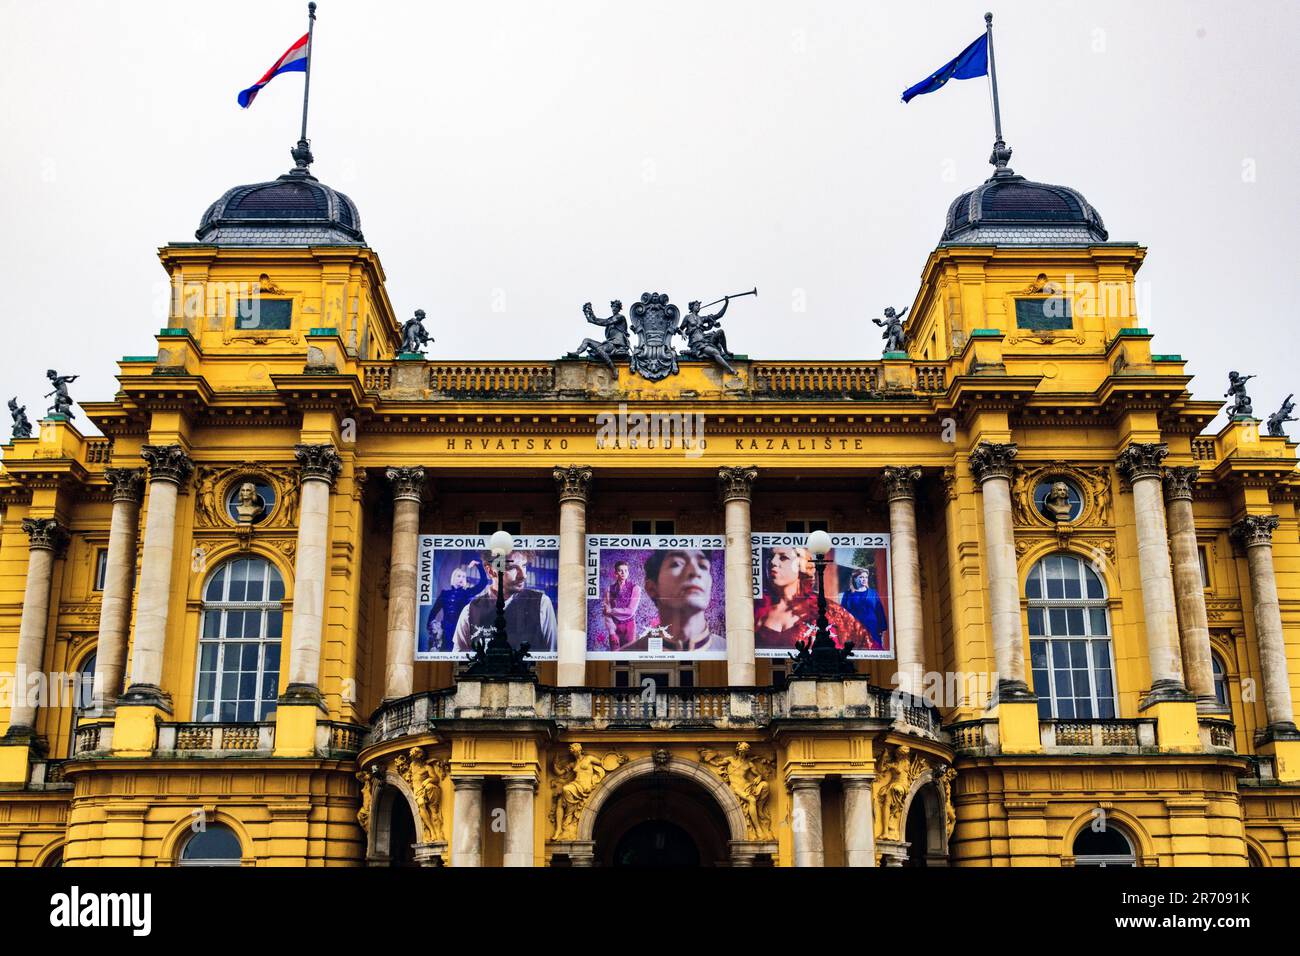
{"x": 856, "y": 584}
{"x": 457, "y": 591}
{"x": 656, "y": 597}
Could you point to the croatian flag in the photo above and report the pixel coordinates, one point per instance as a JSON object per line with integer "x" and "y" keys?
{"x": 293, "y": 61}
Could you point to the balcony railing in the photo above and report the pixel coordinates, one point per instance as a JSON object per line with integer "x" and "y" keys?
{"x": 1204, "y": 449}
{"x": 483, "y": 380}
{"x": 217, "y": 738}
{"x": 1109, "y": 735}
{"x": 817, "y": 379}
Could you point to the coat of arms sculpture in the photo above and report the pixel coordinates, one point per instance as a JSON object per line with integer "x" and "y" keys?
{"x": 654, "y": 323}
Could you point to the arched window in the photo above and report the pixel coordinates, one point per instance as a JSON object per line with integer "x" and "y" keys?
{"x": 1069, "y": 640}
{"x": 1105, "y": 847}
{"x": 1220, "y": 680}
{"x": 239, "y": 648}
{"x": 84, "y": 700}
{"x": 215, "y": 845}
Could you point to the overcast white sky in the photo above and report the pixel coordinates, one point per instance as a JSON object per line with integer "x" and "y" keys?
{"x": 537, "y": 155}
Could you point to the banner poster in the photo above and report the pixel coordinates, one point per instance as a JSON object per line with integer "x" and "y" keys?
{"x": 859, "y": 606}
{"x": 457, "y": 592}
{"x": 656, "y": 597}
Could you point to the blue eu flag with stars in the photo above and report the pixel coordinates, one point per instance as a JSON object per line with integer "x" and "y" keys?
{"x": 968, "y": 64}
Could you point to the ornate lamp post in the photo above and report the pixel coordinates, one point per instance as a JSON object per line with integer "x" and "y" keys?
{"x": 497, "y": 658}
{"x": 822, "y": 658}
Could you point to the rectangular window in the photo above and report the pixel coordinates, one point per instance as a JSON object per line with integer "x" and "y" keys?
{"x": 1044, "y": 314}
{"x": 806, "y": 525}
{"x": 101, "y": 568}
{"x": 654, "y": 526}
{"x": 1203, "y": 555}
{"x": 492, "y": 527}
{"x": 271, "y": 314}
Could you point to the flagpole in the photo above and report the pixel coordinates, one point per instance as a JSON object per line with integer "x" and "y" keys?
{"x": 302, "y": 153}
{"x": 1001, "y": 154}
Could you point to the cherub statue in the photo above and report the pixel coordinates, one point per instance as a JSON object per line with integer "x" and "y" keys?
{"x": 704, "y": 335}
{"x": 1237, "y": 393}
{"x": 616, "y": 343}
{"x": 414, "y": 335}
{"x": 22, "y": 426}
{"x": 62, "y": 400}
{"x": 425, "y": 778}
{"x": 895, "y": 339}
{"x": 575, "y": 779}
{"x": 747, "y": 778}
{"x": 1275, "y": 421}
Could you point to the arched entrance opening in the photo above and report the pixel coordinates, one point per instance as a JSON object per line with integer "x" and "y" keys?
{"x": 661, "y": 820}
{"x": 924, "y": 828}
{"x": 393, "y": 830}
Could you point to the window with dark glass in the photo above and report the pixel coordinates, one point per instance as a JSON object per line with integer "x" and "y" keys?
{"x": 264, "y": 314}
{"x": 1220, "y": 680}
{"x": 653, "y": 526}
{"x": 806, "y": 526}
{"x": 1044, "y": 314}
{"x": 239, "y": 648}
{"x": 492, "y": 527}
{"x": 214, "y": 845}
{"x": 1069, "y": 640}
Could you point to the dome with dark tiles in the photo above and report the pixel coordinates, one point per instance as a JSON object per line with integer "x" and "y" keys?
{"x": 294, "y": 210}
{"x": 1009, "y": 209}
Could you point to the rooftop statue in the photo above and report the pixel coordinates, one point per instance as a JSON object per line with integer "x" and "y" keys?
{"x": 1275, "y": 421}
{"x": 62, "y": 400}
{"x": 1240, "y": 406}
{"x": 414, "y": 336}
{"x": 22, "y": 426}
{"x": 892, "y": 323}
{"x": 704, "y": 336}
{"x": 615, "y": 344}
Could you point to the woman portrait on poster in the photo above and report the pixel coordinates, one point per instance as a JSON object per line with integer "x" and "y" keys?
{"x": 452, "y": 600}
{"x": 789, "y": 604}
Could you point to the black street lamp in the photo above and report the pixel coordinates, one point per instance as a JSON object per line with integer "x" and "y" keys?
{"x": 496, "y": 658}
{"x": 822, "y": 658}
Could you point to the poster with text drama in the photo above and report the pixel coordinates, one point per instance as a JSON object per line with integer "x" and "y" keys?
{"x": 656, "y": 597}
{"x": 856, "y": 584}
{"x": 456, "y": 588}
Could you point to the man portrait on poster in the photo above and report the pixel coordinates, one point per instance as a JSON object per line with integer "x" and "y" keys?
{"x": 680, "y": 583}
{"x": 530, "y": 615}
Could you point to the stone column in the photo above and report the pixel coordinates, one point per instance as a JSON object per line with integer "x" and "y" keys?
{"x": 1255, "y": 534}
{"x": 169, "y": 468}
{"x": 736, "y": 485}
{"x": 905, "y": 568}
{"x": 318, "y": 467}
{"x": 1139, "y": 463}
{"x": 859, "y": 822}
{"x": 574, "y": 485}
{"x": 1189, "y": 587}
{"x": 467, "y": 822}
{"x": 46, "y": 537}
{"x": 115, "y": 604}
{"x": 399, "y": 672}
{"x": 992, "y": 466}
{"x": 806, "y": 821}
{"x": 519, "y": 820}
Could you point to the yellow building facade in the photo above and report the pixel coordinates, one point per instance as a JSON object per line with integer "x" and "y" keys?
{"x": 1095, "y": 604}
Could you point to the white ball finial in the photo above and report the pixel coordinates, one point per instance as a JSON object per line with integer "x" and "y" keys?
{"x": 819, "y": 542}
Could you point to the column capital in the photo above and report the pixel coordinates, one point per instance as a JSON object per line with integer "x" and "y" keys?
{"x": 900, "y": 481}
{"x": 318, "y": 462}
{"x": 805, "y": 783}
{"x": 573, "y": 482}
{"x": 167, "y": 463}
{"x": 993, "y": 460}
{"x": 736, "y": 482}
{"x": 460, "y": 782}
{"x": 857, "y": 782}
{"x": 127, "y": 483}
{"x": 1255, "y": 530}
{"x": 407, "y": 483}
{"x": 1141, "y": 460}
{"x": 520, "y": 783}
{"x": 1179, "y": 482}
{"x": 45, "y": 534}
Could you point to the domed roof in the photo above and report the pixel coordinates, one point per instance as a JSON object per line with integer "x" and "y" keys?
{"x": 294, "y": 210}
{"x": 1010, "y": 209}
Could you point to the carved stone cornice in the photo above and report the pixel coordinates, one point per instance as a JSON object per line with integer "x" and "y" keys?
{"x": 993, "y": 460}
{"x": 1254, "y": 530}
{"x": 1141, "y": 460}
{"x": 1179, "y": 482}
{"x": 737, "y": 484}
{"x": 408, "y": 483}
{"x": 127, "y": 483}
{"x": 900, "y": 482}
{"x": 572, "y": 482}
{"x": 45, "y": 534}
{"x": 318, "y": 462}
{"x": 167, "y": 463}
